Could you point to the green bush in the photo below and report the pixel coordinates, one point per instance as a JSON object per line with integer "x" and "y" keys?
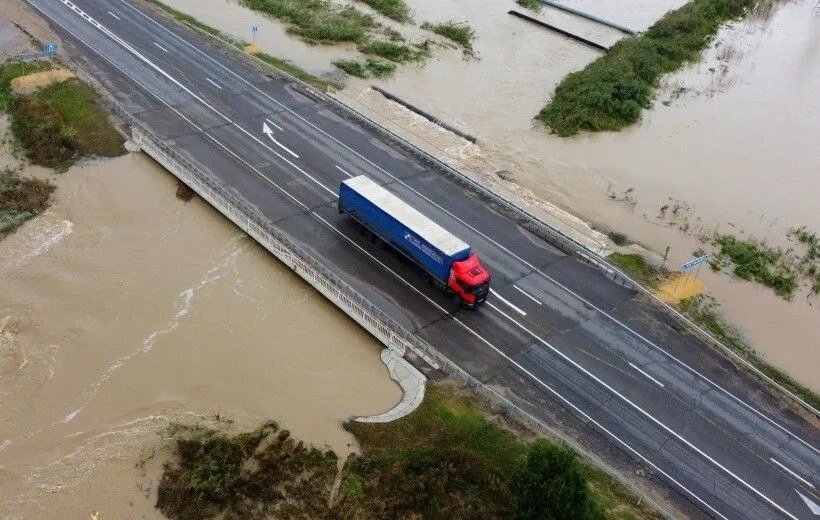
{"x": 552, "y": 485}
{"x": 611, "y": 92}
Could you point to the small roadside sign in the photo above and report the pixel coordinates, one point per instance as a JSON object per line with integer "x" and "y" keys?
{"x": 695, "y": 261}
{"x": 51, "y": 47}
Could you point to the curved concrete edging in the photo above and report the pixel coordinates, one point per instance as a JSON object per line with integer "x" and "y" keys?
{"x": 411, "y": 382}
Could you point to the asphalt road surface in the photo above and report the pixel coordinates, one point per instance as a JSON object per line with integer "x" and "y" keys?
{"x": 552, "y": 330}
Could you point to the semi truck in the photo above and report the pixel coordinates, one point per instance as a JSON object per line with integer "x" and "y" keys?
{"x": 444, "y": 260}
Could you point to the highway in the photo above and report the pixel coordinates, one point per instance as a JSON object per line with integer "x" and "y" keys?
{"x": 554, "y": 329}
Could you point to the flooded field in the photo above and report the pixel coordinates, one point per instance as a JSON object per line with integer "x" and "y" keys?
{"x": 731, "y": 137}
{"x": 123, "y": 309}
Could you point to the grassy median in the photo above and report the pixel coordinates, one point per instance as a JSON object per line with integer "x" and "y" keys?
{"x": 611, "y": 92}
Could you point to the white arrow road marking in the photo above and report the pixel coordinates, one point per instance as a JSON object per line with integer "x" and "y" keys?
{"x": 813, "y": 507}
{"x": 268, "y": 132}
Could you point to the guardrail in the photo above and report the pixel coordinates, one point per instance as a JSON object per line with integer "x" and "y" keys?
{"x": 521, "y": 216}
{"x": 385, "y": 329}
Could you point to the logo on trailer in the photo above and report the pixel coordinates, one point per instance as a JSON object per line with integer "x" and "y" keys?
{"x": 424, "y": 247}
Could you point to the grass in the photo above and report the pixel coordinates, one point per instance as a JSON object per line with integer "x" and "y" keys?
{"x": 318, "y": 21}
{"x": 279, "y": 63}
{"x": 367, "y": 69}
{"x": 395, "y": 52}
{"x": 611, "y": 92}
{"x": 15, "y": 69}
{"x": 59, "y": 124}
{"x": 638, "y": 268}
{"x": 394, "y": 9}
{"x": 533, "y": 5}
{"x": 445, "y": 460}
{"x": 752, "y": 259}
{"x": 704, "y": 311}
{"x": 20, "y": 199}
{"x": 458, "y": 32}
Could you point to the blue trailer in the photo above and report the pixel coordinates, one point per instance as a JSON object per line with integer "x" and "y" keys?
{"x": 449, "y": 260}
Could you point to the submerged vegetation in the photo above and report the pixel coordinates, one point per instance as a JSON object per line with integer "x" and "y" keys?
{"x": 20, "y": 199}
{"x": 395, "y": 9}
{"x": 59, "y": 124}
{"x": 533, "y": 5}
{"x": 611, "y": 92}
{"x": 458, "y": 32}
{"x": 279, "y": 63}
{"x": 445, "y": 460}
{"x": 705, "y": 311}
{"x": 366, "y": 69}
{"x": 784, "y": 271}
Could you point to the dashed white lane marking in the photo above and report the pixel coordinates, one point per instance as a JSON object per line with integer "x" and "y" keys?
{"x": 647, "y": 375}
{"x": 513, "y": 307}
{"x": 341, "y": 170}
{"x": 792, "y": 473}
{"x": 528, "y": 295}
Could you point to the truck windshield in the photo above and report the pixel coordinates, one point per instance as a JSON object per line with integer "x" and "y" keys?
{"x": 480, "y": 289}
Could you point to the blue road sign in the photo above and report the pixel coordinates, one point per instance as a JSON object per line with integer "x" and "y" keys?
{"x": 695, "y": 261}
{"x": 254, "y": 28}
{"x": 51, "y": 47}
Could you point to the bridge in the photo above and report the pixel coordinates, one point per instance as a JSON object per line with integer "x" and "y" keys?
{"x": 563, "y": 339}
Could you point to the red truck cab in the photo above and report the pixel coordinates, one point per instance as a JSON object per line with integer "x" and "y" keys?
{"x": 470, "y": 281}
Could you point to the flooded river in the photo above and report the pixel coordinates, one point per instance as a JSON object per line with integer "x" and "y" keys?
{"x": 731, "y": 138}
{"x": 123, "y": 309}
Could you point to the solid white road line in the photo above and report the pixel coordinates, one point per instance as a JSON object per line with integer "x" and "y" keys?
{"x": 792, "y": 473}
{"x": 647, "y": 375}
{"x": 112, "y": 14}
{"x": 271, "y": 123}
{"x": 86, "y": 17}
{"x": 161, "y": 47}
{"x": 214, "y": 83}
{"x": 374, "y": 165}
{"x": 528, "y": 295}
{"x": 411, "y": 286}
{"x": 341, "y": 170}
{"x": 513, "y": 307}
{"x": 646, "y": 414}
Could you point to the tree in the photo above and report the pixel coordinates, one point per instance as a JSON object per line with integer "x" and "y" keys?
{"x": 551, "y": 485}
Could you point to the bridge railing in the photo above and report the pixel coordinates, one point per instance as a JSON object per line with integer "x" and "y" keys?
{"x": 389, "y": 332}
{"x": 521, "y": 216}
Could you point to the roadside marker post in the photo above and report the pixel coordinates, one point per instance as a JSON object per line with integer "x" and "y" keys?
{"x": 689, "y": 265}
{"x": 254, "y": 29}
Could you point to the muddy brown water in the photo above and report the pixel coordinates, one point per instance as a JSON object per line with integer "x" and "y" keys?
{"x": 732, "y": 137}
{"x": 123, "y": 309}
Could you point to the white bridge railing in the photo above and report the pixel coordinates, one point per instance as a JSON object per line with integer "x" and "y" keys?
{"x": 383, "y": 327}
